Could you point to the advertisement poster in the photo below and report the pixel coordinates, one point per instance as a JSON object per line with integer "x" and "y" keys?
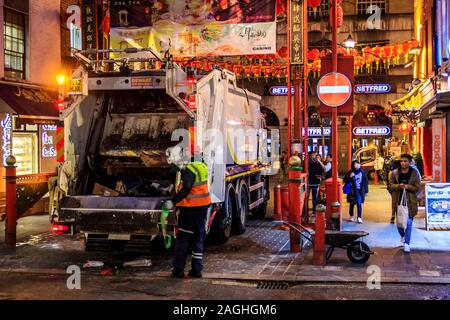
{"x": 437, "y": 204}
{"x": 195, "y": 28}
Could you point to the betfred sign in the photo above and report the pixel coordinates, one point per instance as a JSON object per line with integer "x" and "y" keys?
{"x": 372, "y": 88}
{"x": 383, "y": 131}
{"x": 279, "y": 90}
{"x": 317, "y": 131}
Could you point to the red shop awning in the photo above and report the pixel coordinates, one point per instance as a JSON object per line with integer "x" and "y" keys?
{"x": 28, "y": 101}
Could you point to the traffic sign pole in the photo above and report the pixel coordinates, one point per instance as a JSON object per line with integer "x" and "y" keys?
{"x": 334, "y": 128}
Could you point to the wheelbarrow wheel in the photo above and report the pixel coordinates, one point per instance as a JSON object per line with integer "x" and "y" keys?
{"x": 358, "y": 252}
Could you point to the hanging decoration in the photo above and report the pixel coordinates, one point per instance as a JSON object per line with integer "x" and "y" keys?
{"x": 273, "y": 66}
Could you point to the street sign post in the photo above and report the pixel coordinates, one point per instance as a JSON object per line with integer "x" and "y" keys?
{"x": 334, "y": 89}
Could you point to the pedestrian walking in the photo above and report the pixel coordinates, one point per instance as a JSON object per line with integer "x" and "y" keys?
{"x": 315, "y": 173}
{"x": 405, "y": 179}
{"x": 192, "y": 200}
{"x": 378, "y": 167}
{"x": 283, "y": 165}
{"x": 328, "y": 167}
{"x": 359, "y": 189}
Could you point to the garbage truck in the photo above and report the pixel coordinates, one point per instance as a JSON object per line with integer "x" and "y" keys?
{"x": 121, "y": 123}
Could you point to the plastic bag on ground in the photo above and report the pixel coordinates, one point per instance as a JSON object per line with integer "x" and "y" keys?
{"x": 138, "y": 263}
{"x": 93, "y": 264}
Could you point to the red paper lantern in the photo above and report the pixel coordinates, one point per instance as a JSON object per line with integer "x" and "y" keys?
{"x": 340, "y": 16}
{"x": 414, "y": 43}
{"x": 314, "y": 3}
{"x": 283, "y": 52}
{"x": 313, "y": 54}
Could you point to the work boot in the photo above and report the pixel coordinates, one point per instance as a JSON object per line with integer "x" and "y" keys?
{"x": 178, "y": 274}
{"x": 195, "y": 274}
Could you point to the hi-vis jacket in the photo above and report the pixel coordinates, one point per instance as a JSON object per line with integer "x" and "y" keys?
{"x": 199, "y": 193}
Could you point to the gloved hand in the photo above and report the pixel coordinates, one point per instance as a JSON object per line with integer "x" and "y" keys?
{"x": 169, "y": 204}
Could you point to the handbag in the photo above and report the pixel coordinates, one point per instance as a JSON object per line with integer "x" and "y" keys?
{"x": 403, "y": 212}
{"x": 347, "y": 187}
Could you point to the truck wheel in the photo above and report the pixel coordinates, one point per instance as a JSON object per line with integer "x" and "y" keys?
{"x": 242, "y": 212}
{"x": 358, "y": 252}
{"x": 221, "y": 225}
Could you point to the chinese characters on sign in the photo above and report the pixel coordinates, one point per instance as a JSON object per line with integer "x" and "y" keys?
{"x": 89, "y": 25}
{"x": 437, "y": 206}
{"x": 6, "y": 145}
{"x": 296, "y": 28}
{"x": 48, "y": 147}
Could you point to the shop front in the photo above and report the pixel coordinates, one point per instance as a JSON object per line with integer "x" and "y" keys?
{"x": 28, "y": 128}
{"x": 371, "y": 128}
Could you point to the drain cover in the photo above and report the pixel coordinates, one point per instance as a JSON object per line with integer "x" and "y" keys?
{"x": 273, "y": 285}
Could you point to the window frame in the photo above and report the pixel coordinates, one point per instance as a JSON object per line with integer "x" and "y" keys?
{"x": 15, "y": 43}
{"x": 362, "y": 5}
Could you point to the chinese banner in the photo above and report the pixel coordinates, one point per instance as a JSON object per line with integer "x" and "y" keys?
{"x": 89, "y": 25}
{"x": 195, "y": 28}
{"x": 144, "y": 13}
{"x": 296, "y": 30}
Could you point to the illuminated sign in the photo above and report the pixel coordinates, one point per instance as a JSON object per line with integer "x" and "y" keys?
{"x": 373, "y": 88}
{"x": 280, "y": 90}
{"x": 48, "y": 146}
{"x": 372, "y": 131}
{"x": 6, "y": 146}
{"x": 317, "y": 131}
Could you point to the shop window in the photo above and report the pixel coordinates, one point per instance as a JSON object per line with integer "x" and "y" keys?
{"x": 14, "y": 41}
{"x": 362, "y": 7}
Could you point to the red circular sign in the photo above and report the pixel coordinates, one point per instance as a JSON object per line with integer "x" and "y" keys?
{"x": 334, "y": 89}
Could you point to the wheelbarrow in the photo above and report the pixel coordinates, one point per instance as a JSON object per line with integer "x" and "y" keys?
{"x": 357, "y": 250}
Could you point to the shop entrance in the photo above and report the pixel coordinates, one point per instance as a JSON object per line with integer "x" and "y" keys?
{"x": 24, "y": 148}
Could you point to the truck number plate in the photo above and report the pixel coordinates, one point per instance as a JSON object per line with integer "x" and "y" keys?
{"x": 118, "y": 236}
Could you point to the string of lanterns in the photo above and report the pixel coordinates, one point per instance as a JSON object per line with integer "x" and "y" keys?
{"x": 270, "y": 67}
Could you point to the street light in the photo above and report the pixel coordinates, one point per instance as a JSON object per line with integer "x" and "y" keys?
{"x": 350, "y": 42}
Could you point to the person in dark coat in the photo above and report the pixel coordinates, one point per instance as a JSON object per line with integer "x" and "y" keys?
{"x": 359, "y": 188}
{"x": 315, "y": 172}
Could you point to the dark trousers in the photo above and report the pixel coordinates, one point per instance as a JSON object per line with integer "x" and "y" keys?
{"x": 313, "y": 189}
{"x": 190, "y": 238}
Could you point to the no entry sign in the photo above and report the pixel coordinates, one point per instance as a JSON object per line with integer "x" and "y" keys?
{"x": 334, "y": 89}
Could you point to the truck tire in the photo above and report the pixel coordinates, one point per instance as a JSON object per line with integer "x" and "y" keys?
{"x": 221, "y": 225}
{"x": 241, "y": 214}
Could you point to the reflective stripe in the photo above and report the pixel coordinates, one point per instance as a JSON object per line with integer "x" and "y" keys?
{"x": 187, "y": 231}
{"x": 194, "y": 196}
{"x": 198, "y": 184}
{"x": 197, "y": 258}
{"x": 197, "y": 254}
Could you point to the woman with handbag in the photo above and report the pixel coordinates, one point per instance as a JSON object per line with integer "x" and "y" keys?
{"x": 356, "y": 187}
{"x": 404, "y": 183}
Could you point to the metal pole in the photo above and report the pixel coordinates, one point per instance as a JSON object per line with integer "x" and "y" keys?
{"x": 11, "y": 214}
{"x": 350, "y": 143}
{"x": 289, "y": 78}
{"x": 334, "y": 113}
{"x": 305, "y": 108}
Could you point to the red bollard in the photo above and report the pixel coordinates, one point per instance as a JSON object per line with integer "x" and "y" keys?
{"x": 11, "y": 216}
{"x": 319, "y": 258}
{"x": 295, "y": 213}
{"x": 277, "y": 213}
{"x": 284, "y": 203}
{"x": 329, "y": 200}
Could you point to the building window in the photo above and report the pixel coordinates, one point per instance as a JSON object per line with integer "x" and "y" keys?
{"x": 363, "y": 5}
{"x": 321, "y": 12}
{"x": 14, "y": 40}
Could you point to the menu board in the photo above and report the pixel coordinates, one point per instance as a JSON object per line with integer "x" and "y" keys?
{"x": 437, "y": 204}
